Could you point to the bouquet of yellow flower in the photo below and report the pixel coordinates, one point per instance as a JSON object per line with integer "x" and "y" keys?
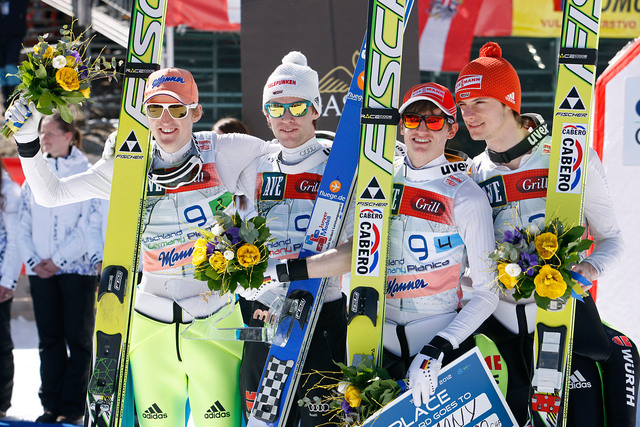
{"x": 363, "y": 390}
{"x": 540, "y": 264}
{"x": 232, "y": 253}
{"x": 56, "y": 75}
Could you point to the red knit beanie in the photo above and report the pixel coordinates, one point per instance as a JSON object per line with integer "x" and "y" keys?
{"x": 490, "y": 75}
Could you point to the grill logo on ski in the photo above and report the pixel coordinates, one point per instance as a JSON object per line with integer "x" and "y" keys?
{"x": 369, "y": 231}
{"x": 574, "y": 140}
{"x": 217, "y": 411}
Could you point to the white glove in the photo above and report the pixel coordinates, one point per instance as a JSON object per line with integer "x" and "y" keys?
{"x": 23, "y": 115}
{"x": 110, "y": 146}
{"x": 423, "y": 376}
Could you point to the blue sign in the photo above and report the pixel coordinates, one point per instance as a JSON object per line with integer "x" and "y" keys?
{"x": 466, "y": 395}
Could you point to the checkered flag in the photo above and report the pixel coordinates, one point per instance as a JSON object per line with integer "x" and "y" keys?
{"x": 268, "y": 399}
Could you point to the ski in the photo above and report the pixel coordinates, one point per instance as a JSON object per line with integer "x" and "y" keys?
{"x": 303, "y": 302}
{"x": 379, "y": 118}
{"x": 116, "y": 291}
{"x": 553, "y": 336}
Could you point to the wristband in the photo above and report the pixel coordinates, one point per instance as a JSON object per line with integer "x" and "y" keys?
{"x": 29, "y": 149}
{"x": 437, "y": 348}
{"x": 292, "y": 270}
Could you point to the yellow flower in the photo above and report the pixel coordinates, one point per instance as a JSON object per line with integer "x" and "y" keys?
{"x": 67, "y": 78}
{"x": 549, "y": 283}
{"x": 508, "y": 281}
{"x": 71, "y": 60}
{"x": 85, "y": 92}
{"x": 248, "y": 255}
{"x": 218, "y": 262}
{"x": 352, "y": 396}
{"x": 546, "y": 245}
{"x": 199, "y": 252}
{"x": 47, "y": 54}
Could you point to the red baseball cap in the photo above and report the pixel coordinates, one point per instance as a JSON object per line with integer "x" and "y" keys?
{"x": 174, "y": 82}
{"x": 438, "y": 94}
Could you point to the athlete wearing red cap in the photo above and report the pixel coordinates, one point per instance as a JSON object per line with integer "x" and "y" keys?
{"x": 488, "y": 94}
{"x": 441, "y": 224}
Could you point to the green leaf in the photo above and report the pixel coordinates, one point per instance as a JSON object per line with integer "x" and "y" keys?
{"x": 41, "y": 72}
{"x": 573, "y": 234}
{"x": 44, "y": 100}
{"x": 542, "y": 302}
{"x": 248, "y": 232}
{"x": 74, "y": 97}
{"x": 65, "y": 113}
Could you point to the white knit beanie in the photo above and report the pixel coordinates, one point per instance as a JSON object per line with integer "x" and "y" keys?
{"x": 293, "y": 78}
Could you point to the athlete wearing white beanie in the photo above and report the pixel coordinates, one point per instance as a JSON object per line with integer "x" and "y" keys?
{"x": 293, "y": 78}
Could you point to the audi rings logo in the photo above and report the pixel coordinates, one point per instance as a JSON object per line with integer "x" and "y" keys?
{"x": 318, "y": 407}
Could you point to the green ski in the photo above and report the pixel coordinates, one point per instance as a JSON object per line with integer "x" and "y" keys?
{"x": 567, "y": 175}
{"x": 375, "y": 179}
{"x": 116, "y": 291}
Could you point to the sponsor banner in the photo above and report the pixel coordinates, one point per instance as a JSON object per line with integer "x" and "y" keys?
{"x": 279, "y": 186}
{"x": 370, "y": 225}
{"x": 631, "y": 125}
{"x": 323, "y": 225}
{"x": 570, "y": 168}
{"x": 502, "y": 189}
{"x": 543, "y": 18}
{"x": 466, "y": 395}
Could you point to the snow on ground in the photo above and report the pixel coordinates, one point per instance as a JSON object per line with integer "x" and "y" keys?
{"x": 25, "y": 404}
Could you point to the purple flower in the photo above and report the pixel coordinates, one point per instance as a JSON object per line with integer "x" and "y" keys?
{"x": 76, "y": 55}
{"x": 512, "y": 237}
{"x": 527, "y": 262}
{"x": 346, "y": 407}
{"x": 211, "y": 246}
{"x": 84, "y": 72}
{"x": 233, "y": 235}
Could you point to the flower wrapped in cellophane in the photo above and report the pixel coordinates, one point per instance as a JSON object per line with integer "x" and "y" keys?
{"x": 539, "y": 263}
{"x": 233, "y": 253}
{"x": 363, "y": 390}
{"x": 57, "y": 74}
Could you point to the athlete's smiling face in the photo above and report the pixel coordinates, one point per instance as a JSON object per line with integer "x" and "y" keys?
{"x": 424, "y": 144}
{"x": 170, "y": 133}
{"x": 292, "y": 131}
{"x": 487, "y": 119}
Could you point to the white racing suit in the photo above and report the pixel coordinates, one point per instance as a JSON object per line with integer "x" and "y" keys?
{"x": 518, "y": 199}
{"x": 167, "y": 369}
{"x": 439, "y": 218}
{"x": 285, "y": 194}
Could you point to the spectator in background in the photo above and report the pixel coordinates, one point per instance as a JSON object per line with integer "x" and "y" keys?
{"x": 10, "y": 264}
{"x": 13, "y": 27}
{"x": 229, "y": 125}
{"x": 62, "y": 279}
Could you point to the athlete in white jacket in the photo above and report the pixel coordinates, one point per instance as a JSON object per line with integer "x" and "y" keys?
{"x": 166, "y": 368}
{"x": 518, "y": 146}
{"x": 441, "y": 223}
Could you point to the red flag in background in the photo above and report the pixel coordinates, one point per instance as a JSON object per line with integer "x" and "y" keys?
{"x": 205, "y": 15}
{"x": 446, "y": 33}
{"x": 495, "y": 19}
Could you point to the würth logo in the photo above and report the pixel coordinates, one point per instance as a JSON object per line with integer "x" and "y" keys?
{"x": 217, "y": 411}
{"x": 154, "y": 412}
